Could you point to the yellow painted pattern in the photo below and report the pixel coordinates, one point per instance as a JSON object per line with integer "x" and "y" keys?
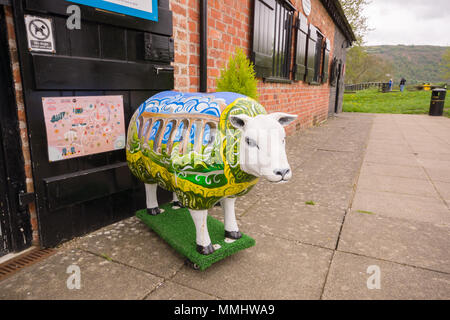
{"x": 174, "y": 182}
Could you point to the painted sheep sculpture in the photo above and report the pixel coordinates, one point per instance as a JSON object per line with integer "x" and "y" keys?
{"x": 206, "y": 148}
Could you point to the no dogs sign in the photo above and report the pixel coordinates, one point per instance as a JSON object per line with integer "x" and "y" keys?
{"x": 40, "y": 34}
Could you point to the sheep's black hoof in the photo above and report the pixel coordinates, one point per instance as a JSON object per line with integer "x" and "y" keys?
{"x": 153, "y": 211}
{"x": 177, "y": 204}
{"x": 234, "y": 235}
{"x": 205, "y": 250}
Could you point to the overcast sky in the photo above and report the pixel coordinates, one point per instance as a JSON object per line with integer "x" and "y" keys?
{"x": 418, "y": 22}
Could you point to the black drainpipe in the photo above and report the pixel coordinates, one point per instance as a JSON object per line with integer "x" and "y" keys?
{"x": 203, "y": 45}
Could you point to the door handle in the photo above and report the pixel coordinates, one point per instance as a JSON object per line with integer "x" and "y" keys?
{"x": 159, "y": 69}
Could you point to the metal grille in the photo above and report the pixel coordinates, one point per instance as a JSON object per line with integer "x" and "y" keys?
{"x": 10, "y": 267}
{"x": 319, "y": 56}
{"x": 283, "y": 38}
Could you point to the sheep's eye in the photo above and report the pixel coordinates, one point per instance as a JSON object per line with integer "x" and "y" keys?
{"x": 251, "y": 142}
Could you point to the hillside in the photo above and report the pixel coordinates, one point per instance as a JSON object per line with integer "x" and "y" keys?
{"x": 417, "y": 64}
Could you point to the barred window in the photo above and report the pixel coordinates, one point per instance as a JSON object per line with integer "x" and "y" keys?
{"x": 318, "y": 56}
{"x": 272, "y": 38}
{"x": 326, "y": 60}
{"x": 318, "y": 50}
{"x": 300, "y": 48}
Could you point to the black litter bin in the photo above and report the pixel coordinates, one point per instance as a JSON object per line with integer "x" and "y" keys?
{"x": 437, "y": 102}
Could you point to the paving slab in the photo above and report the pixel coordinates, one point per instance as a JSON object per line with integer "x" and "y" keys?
{"x": 393, "y": 170}
{"x": 173, "y": 291}
{"x": 382, "y": 138}
{"x": 132, "y": 243}
{"x": 430, "y": 146}
{"x": 400, "y": 185}
{"x": 99, "y": 279}
{"x": 388, "y": 142}
{"x": 332, "y": 193}
{"x": 420, "y": 244}
{"x": 443, "y": 188}
{"x": 399, "y": 148}
{"x": 274, "y": 269}
{"x": 348, "y": 278}
{"x": 392, "y": 159}
{"x": 381, "y": 134}
{"x": 433, "y": 156}
{"x": 294, "y": 220}
{"x": 437, "y": 169}
{"x": 402, "y": 206}
{"x": 326, "y": 165}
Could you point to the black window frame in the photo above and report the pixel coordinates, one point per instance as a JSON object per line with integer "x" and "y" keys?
{"x": 275, "y": 24}
{"x": 301, "y": 48}
{"x": 318, "y": 60}
{"x": 325, "y": 60}
{"x": 272, "y": 39}
{"x": 317, "y": 57}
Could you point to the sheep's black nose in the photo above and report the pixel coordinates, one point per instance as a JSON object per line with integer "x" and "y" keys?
{"x": 281, "y": 172}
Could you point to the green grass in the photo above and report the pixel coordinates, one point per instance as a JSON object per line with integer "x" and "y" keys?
{"x": 105, "y": 256}
{"x": 176, "y": 227}
{"x": 408, "y": 102}
{"x": 365, "y": 212}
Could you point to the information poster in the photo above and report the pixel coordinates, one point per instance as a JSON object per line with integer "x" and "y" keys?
{"x": 81, "y": 126}
{"x": 145, "y": 9}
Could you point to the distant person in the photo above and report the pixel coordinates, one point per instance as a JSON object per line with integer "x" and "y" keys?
{"x": 391, "y": 82}
{"x": 402, "y": 84}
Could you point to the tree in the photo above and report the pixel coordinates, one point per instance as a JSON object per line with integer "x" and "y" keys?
{"x": 238, "y": 76}
{"x": 362, "y": 66}
{"x": 445, "y": 65}
{"x": 379, "y": 70}
{"x": 353, "y": 10}
{"x": 365, "y": 67}
{"x": 357, "y": 64}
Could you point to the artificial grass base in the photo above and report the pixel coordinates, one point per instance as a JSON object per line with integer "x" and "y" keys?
{"x": 176, "y": 227}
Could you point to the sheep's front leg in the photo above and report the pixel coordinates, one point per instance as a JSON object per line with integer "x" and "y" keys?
{"x": 231, "y": 228}
{"x": 152, "y": 200}
{"x": 204, "y": 245}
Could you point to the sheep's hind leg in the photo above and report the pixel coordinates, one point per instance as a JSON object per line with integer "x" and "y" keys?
{"x": 176, "y": 202}
{"x": 152, "y": 201}
{"x": 203, "y": 240}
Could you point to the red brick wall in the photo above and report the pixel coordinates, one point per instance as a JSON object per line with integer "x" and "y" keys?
{"x": 21, "y": 115}
{"x": 230, "y": 26}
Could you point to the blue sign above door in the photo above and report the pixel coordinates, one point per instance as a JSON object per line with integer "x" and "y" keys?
{"x": 144, "y": 9}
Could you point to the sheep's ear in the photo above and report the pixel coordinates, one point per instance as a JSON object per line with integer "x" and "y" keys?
{"x": 239, "y": 121}
{"x": 283, "y": 118}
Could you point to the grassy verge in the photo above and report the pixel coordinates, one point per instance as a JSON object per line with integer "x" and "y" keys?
{"x": 408, "y": 102}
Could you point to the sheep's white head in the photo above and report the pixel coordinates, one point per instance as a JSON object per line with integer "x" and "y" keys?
{"x": 262, "y": 149}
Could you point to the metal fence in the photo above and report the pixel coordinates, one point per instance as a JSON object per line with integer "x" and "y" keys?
{"x": 363, "y": 86}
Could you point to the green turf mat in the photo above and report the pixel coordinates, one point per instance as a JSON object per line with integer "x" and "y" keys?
{"x": 176, "y": 227}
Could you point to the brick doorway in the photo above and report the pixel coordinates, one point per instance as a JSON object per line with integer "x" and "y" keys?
{"x": 15, "y": 228}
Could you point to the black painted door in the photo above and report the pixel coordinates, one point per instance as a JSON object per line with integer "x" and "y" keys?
{"x": 111, "y": 54}
{"x": 339, "y": 85}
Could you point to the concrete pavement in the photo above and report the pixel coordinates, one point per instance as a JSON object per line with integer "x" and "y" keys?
{"x": 380, "y": 185}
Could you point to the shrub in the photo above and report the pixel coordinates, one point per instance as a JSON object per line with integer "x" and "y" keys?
{"x": 238, "y": 76}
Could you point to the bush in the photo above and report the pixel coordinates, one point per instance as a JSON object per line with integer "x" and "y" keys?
{"x": 238, "y": 76}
